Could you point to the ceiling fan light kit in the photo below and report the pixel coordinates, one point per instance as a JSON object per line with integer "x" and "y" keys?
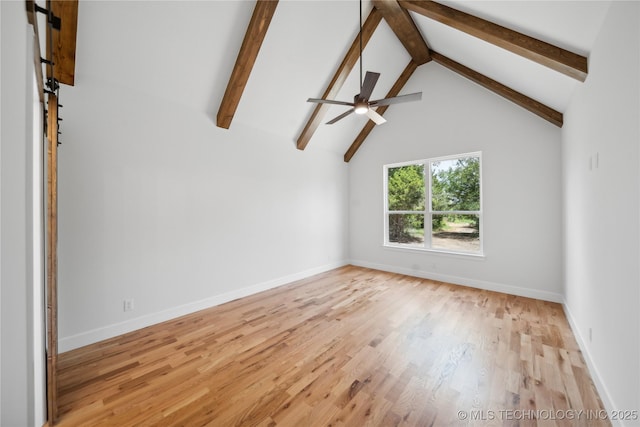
{"x": 360, "y": 107}
{"x": 361, "y": 104}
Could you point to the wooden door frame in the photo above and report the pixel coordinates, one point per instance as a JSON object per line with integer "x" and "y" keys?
{"x": 50, "y": 127}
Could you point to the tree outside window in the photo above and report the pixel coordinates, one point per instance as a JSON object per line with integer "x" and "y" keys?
{"x": 453, "y": 213}
{"x": 406, "y": 197}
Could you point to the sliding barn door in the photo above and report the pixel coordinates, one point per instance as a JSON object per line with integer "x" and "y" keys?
{"x": 52, "y": 258}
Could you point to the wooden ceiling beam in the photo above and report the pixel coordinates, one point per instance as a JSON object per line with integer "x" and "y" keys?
{"x": 406, "y": 30}
{"x": 349, "y": 61}
{"x": 63, "y": 42}
{"x": 558, "y": 59}
{"x": 368, "y": 127}
{"x": 524, "y": 101}
{"x": 253, "y": 38}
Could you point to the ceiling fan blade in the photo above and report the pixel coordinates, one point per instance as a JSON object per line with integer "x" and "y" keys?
{"x": 340, "y": 117}
{"x": 397, "y": 99}
{"x": 377, "y": 118}
{"x": 329, "y": 101}
{"x": 370, "y": 80}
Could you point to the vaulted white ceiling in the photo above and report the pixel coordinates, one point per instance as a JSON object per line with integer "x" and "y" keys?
{"x": 183, "y": 52}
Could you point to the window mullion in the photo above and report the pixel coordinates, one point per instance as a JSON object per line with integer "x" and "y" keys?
{"x": 427, "y": 206}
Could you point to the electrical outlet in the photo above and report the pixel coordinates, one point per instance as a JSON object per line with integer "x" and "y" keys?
{"x": 127, "y": 305}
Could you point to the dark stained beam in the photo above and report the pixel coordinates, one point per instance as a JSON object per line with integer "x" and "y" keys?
{"x": 405, "y": 29}
{"x": 349, "y": 61}
{"x": 524, "y": 101}
{"x": 368, "y": 127}
{"x": 253, "y": 38}
{"x": 63, "y": 41}
{"x": 558, "y": 59}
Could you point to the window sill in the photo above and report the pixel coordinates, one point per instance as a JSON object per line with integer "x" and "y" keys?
{"x": 464, "y": 255}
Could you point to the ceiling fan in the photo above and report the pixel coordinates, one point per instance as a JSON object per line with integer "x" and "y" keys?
{"x": 361, "y": 103}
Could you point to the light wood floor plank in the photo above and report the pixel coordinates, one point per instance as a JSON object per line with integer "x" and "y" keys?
{"x": 352, "y": 346}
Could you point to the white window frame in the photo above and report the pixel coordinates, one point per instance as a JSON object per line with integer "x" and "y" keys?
{"x": 428, "y": 212}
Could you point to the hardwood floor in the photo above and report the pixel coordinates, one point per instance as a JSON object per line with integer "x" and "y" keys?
{"x": 348, "y": 347}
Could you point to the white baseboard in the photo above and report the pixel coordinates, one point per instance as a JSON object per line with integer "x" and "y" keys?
{"x": 110, "y": 331}
{"x": 464, "y": 281}
{"x": 593, "y": 369}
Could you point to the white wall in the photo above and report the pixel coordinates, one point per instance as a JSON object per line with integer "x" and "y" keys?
{"x": 158, "y": 205}
{"x": 601, "y": 209}
{"x": 20, "y": 388}
{"x": 521, "y": 190}
{"x": 1, "y": 258}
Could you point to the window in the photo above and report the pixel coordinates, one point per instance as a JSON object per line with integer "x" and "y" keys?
{"x": 435, "y": 204}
